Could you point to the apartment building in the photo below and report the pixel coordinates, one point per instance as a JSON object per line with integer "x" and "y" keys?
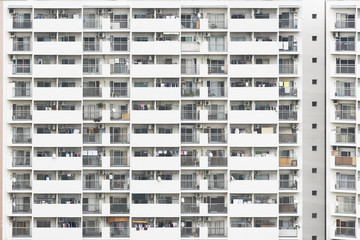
{"x": 164, "y": 120}
{"x": 342, "y": 98}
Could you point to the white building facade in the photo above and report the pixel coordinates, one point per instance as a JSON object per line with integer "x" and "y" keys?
{"x": 163, "y": 120}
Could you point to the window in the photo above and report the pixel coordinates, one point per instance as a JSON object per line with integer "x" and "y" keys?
{"x": 314, "y": 103}
{"x": 314, "y": 81}
{"x": 314, "y": 126}
{"x": 314, "y": 170}
{"x": 314, "y": 148}
{"x": 314, "y": 60}
{"x": 314, "y": 215}
{"x": 314, "y": 238}
{"x": 314, "y": 193}
{"x": 314, "y": 38}
{"x": 314, "y": 16}
{"x": 67, "y": 61}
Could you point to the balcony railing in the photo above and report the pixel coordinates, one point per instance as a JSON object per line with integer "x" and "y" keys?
{"x": 21, "y": 161}
{"x": 121, "y": 69}
{"x": 287, "y": 161}
{"x": 21, "y": 207}
{"x": 117, "y": 92}
{"x": 345, "y": 161}
{"x": 20, "y": 115}
{"x": 91, "y": 161}
{"x": 21, "y": 185}
{"x": 345, "y": 137}
{"x": 216, "y": 232}
{"x": 22, "y": 23}
{"x": 217, "y": 161}
{"x": 91, "y": 231}
{"x": 190, "y": 47}
{"x": 217, "y": 24}
{"x": 92, "y": 138}
{"x": 190, "y": 69}
{"x": 288, "y": 184}
{"x": 21, "y": 92}
{"x": 116, "y": 208}
{"x": 189, "y": 115}
{"x": 119, "y": 138}
{"x": 288, "y": 91}
{"x": 217, "y": 69}
{"x": 345, "y": 68}
{"x": 189, "y": 92}
{"x": 216, "y": 185}
{"x": 92, "y": 68}
{"x": 190, "y": 24}
{"x": 119, "y": 161}
{"x": 345, "y": 92}
{"x": 288, "y": 232}
{"x": 288, "y": 115}
{"x": 21, "y": 69}
{"x": 345, "y": 114}
{"x": 345, "y": 184}
{"x": 345, "y": 24}
{"x": 119, "y": 24}
{"x": 91, "y": 46}
{"x": 95, "y": 115}
{"x": 91, "y": 184}
{"x": 188, "y": 184}
{"x": 190, "y": 232}
{"x": 347, "y": 208}
{"x": 21, "y": 46}
{"x": 119, "y": 232}
{"x": 189, "y": 208}
{"x": 189, "y": 161}
{"x": 217, "y": 208}
{"x": 345, "y": 46}
{"x": 217, "y": 138}
{"x": 288, "y": 46}
{"x": 345, "y": 232}
{"x": 92, "y": 23}
{"x": 288, "y": 23}
{"x": 288, "y": 138}
{"x": 287, "y": 69}
{"x": 91, "y": 208}
{"x": 217, "y": 115}
{"x": 92, "y": 92}
{"x": 287, "y": 208}
{"x": 216, "y": 92}
{"x": 119, "y": 46}
{"x": 188, "y": 138}
{"x": 119, "y": 184}
{"x": 21, "y": 138}
{"x": 21, "y": 232}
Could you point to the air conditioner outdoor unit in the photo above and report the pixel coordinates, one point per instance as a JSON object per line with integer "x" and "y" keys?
{"x": 12, "y": 35}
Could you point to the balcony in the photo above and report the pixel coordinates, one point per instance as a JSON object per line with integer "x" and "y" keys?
{"x": 190, "y": 47}
{"x": 216, "y": 232}
{"x": 21, "y": 24}
{"x": 155, "y": 140}
{"x": 155, "y": 163}
{"x": 54, "y": 47}
{"x": 119, "y": 184}
{"x": 287, "y": 161}
{"x": 119, "y": 232}
{"x": 345, "y": 137}
{"x": 155, "y": 70}
{"x": 94, "y": 208}
{"x": 92, "y": 24}
{"x": 154, "y": 186}
{"x": 159, "y": 93}
{"x": 155, "y": 47}
{"x": 253, "y": 93}
{"x": 288, "y": 232}
{"x": 91, "y": 161}
{"x": 345, "y": 24}
{"x": 214, "y": 69}
{"x": 21, "y": 115}
{"x": 216, "y": 208}
{"x": 158, "y": 210}
{"x": 348, "y": 232}
{"x": 345, "y": 68}
{"x": 21, "y": 138}
{"x": 257, "y": 233}
{"x": 51, "y": 140}
{"x": 92, "y": 138}
{"x": 253, "y": 47}
{"x": 163, "y": 233}
{"x": 190, "y": 208}
{"x": 256, "y": 186}
{"x": 287, "y": 138}
{"x": 253, "y": 210}
{"x": 57, "y": 70}
{"x": 190, "y": 69}
{"x": 255, "y": 117}
{"x": 21, "y": 208}
{"x": 56, "y": 93}
{"x": 253, "y": 70}
{"x": 91, "y": 232}
{"x": 21, "y": 185}
{"x": 57, "y": 25}
{"x": 56, "y": 233}
{"x": 287, "y": 208}
{"x": 92, "y": 46}
{"x": 92, "y": 115}
{"x": 157, "y": 25}
{"x": 344, "y": 45}
{"x": 21, "y": 69}
{"x": 288, "y": 69}
{"x": 187, "y": 232}
{"x": 348, "y": 115}
{"x": 215, "y": 138}
{"x": 267, "y": 162}
{"x": 288, "y": 184}
{"x": 119, "y": 208}
{"x": 117, "y": 138}
{"x": 344, "y": 92}
{"x": 288, "y": 92}
{"x": 288, "y": 115}
{"x": 290, "y": 46}
{"x": 217, "y": 162}
{"x": 253, "y": 140}
{"x": 345, "y": 184}
{"x": 63, "y": 163}
{"x": 288, "y": 23}
{"x": 62, "y": 186}
{"x": 21, "y": 46}
{"x": 216, "y": 92}
{"x": 57, "y": 210}
{"x": 21, "y": 92}
{"x": 19, "y": 232}
{"x": 91, "y": 185}
{"x": 253, "y": 25}
{"x": 345, "y": 161}
{"x": 119, "y": 161}
{"x": 21, "y": 161}
{"x": 119, "y": 69}
{"x": 155, "y": 116}
{"x": 60, "y": 116}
